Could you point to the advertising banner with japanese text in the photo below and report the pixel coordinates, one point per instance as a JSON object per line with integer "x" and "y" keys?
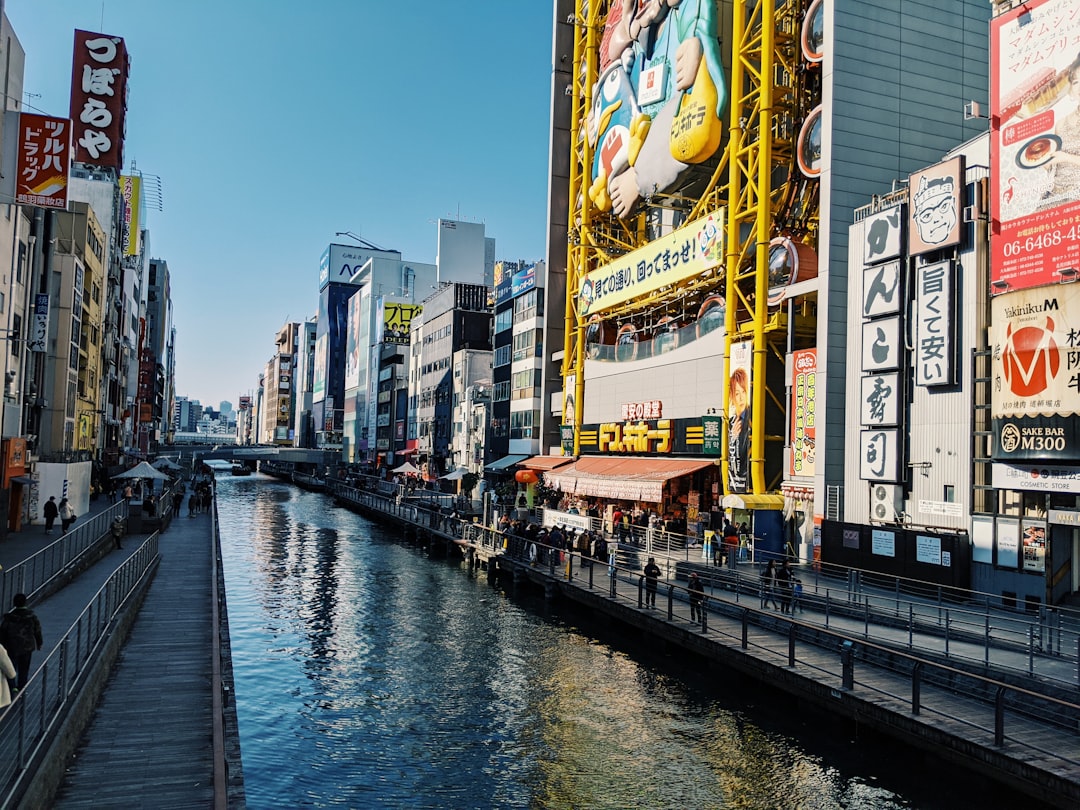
{"x": 803, "y": 412}
{"x": 740, "y": 380}
{"x": 397, "y": 322}
{"x": 1034, "y": 144}
{"x": 130, "y": 191}
{"x": 692, "y": 249}
{"x": 99, "y": 76}
{"x": 43, "y": 162}
{"x": 1035, "y": 400}
{"x": 353, "y": 348}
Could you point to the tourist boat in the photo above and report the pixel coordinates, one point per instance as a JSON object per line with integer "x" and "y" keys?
{"x": 240, "y": 469}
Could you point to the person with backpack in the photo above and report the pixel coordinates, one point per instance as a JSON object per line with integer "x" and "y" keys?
{"x": 20, "y": 635}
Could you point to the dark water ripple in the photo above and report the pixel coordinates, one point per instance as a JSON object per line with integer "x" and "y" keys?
{"x": 370, "y": 676}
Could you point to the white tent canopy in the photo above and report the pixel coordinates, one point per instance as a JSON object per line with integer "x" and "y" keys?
{"x": 143, "y": 470}
{"x": 456, "y": 475}
{"x": 164, "y": 463}
{"x": 407, "y": 468}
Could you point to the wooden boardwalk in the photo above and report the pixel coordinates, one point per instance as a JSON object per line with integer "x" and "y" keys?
{"x": 150, "y": 743}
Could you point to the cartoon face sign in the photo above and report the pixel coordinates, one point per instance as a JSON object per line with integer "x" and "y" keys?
{"x": 936, "y": 217}
{"x": 934, "y": 197}
{"x": 585, "y": 297}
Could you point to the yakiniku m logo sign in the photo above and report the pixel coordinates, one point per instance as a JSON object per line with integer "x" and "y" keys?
{"x": 1030, "y": 358}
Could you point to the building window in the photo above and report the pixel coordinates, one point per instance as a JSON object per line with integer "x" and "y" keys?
{"x": 523, "y": 424}
{"x": 950, "y": 493}
{"x": 502, "y": 356}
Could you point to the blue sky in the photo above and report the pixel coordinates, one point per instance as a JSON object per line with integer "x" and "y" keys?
{"x": 275, "y": 124}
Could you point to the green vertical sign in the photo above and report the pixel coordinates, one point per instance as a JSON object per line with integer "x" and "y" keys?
{"x": 710, "y": 435}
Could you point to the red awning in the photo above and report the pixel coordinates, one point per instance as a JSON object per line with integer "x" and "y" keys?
{"x": 544, "y": 463}
{"x": 625, "y": 478}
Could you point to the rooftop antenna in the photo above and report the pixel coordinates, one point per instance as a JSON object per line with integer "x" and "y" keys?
{"x": 360, "y": 240}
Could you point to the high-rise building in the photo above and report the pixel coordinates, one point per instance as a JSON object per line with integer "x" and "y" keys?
{"x": 454, "y": 354}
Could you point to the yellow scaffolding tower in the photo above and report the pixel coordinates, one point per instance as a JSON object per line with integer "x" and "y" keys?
{"x": 764, "y": 50}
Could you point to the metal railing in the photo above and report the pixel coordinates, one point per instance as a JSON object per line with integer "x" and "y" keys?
{"x": 36, "y": 572}
{"x": 41, "y": 706}
{"x": 932, "y": 619}
{"x": 1000, "y": 703}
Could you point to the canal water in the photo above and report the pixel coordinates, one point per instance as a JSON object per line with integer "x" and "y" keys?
{"x": 368, "y": 675}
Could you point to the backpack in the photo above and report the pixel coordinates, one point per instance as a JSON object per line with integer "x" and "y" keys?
{"x": 17, "y": 632}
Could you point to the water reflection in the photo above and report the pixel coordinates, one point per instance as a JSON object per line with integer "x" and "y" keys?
{"x": 368, "y": 675}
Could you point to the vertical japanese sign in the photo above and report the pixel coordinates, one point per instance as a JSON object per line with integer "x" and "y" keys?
{"x": 43, "y": 161}
{"x": 353, "y": 348}
{"x": 99, "y": 75}
{"x": 739, "y": 382}
{"x": 318, "y": 383}
{"x": 1034, "y": 143}
{"x": 883, "y": 235}
{"x": 935, "y": 201}
{"x": 1035, "y": 400}
{"x": 39, "y": 327}
{"x": 803, "y": 412}
{"x": 130, "y": 190}
{"x": 934, "y": 320}
{"x": 879, "y": 452}
{"x": 880, "y": 400}
{"x": 710, "y": 435}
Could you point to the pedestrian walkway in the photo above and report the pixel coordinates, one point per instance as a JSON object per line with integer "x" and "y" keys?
{"x": 60, "y": 610}
{"x": 150, "y": 743}
{"x": 151, "y": 740}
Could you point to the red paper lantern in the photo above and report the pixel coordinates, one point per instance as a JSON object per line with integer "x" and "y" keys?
{"x": 525, "y": 477}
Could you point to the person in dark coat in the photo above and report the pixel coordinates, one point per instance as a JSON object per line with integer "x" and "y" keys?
{"x": 20, "y": 634}
{"x": 50, "y": 511}
{"x": 697, "y": 596}
{"x": 785, "y": 583}
{"x": 652, "y": 575}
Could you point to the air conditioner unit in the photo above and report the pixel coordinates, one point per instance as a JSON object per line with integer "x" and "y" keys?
{"x": 886, "y": 501}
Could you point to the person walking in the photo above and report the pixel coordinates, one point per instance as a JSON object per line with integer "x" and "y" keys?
{"x": 768, "y": 585}
{"x": 784, "y": 584}
{"x": 652, "y": 575}
{"x": 20, "y": 635}
{"x": 50, "y": 511}
{"x": 67, "y": 515}
{"x": 8, "y": 670}
{"x": 696, "y": 588}
{"x": 796, "y": 595}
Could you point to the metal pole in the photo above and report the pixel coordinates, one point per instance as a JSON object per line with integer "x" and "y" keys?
{"x": 999, "y": 717}
{"x": 946, "y": 633}
{"x": 916, "y": 687}
{"x": 1031, "y": 651}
